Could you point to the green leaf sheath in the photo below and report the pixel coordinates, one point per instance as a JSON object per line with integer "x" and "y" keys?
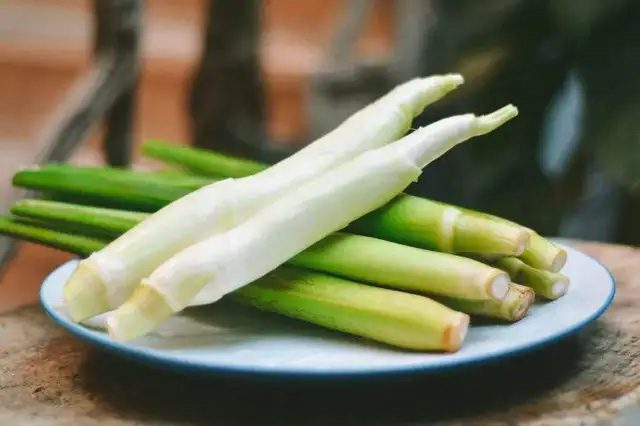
{"x": 402, "y": 267}
{"x": 204, "y": 162}
{"x": 77, "y": 244}
{"x": 401, "y": 319}
{"x": 540, "y": 253}
{"x": 513, "y": 307}
{"x": 543, "y": 254}
{"x": 550, "y": 285}
{"x": 352, "y": 256}
{"x": 432, "y": 225}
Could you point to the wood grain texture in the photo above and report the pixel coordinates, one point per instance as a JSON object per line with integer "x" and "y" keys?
{"x": 48, "y": 377}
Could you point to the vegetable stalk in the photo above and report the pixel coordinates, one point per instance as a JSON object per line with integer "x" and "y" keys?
{"x": 201, "y": 161}
{"x": 387, "y": 316}
{"x": 407, "y": 219}
{"x": 513, "y": 307}
{"x": 400, "y": 319}
{"x": 433, "y": 225}
{"x": 543, "y": 254}
{"x": 550, "y": 285}
{"x": 540, "y": 253}
{"x": 84, "y": 219}
{"x": 430, "y": 224}
{"x": 109, "y": 276}
{"x": 351, "y": 256}
{"x": 119, "y": 187}
{"x": 31, "y": 231}
{"x": 206, "y": 271}
{"x": 393, "y": 265}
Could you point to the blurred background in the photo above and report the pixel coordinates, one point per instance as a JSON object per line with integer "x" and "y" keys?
{"x": 89, "y": 80}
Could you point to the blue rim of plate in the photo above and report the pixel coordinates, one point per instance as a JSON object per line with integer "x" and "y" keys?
{"x": 103, "y": 342}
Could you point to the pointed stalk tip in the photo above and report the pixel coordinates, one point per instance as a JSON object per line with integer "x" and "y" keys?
{"x": 489, "y": 122}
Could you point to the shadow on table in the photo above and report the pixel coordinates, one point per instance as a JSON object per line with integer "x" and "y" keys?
{"x": 139, "y": 392}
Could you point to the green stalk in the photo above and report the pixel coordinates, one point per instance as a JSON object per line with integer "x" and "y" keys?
{"x": 143, "y": 191}
{"x": 77, "y": 244}
{"x": 540, "y": 253}
{"x": 407, "y": 219}
{"x": 175, "y": 178}
{"x": 201, "y": 161}
{"x": 432, "y": 225}
{"x": 402, "y": 267}
{"x": 351, "y": 256}
{"x": 400, "y": 319}
{"x": 85, "y": 219}
{"x": 513, "y": 307}
{"x": 387, "y": 316}
{"x": 550, "y": 285}
{"x": 543, "y": 254}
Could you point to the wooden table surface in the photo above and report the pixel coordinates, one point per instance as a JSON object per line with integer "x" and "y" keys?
{"x": 49, "y": 377}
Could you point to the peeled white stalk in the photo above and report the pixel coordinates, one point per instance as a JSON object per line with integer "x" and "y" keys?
{"x": 206, "y": 271}
{"x": 107, "y": 278}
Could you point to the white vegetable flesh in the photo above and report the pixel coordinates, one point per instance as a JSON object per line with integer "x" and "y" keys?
{"x": 232, "y": 259}
{"x": 107, "y": 278}
{"x": 208, "y": 270}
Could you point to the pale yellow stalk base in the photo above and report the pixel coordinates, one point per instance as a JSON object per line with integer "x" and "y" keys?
{"x": 144, "y": 310}
{"x": 454, "y": 334}
{"x": 85, "y": 293}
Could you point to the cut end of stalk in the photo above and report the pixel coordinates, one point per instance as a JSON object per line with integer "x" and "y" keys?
{"x": 518, "y": 301}
{"x": 521, "y": 309}
{"x": 487, "y": 123}
{"x": 543, "y": 254}
{"x": 559, "y": 288}
{"x": 85, "y": 293}
{"x": 455, "y": 333}
{"x": 499, "y": 286}
{"x": 559, "y": 260}
{"x": 139, "y": 315}
{"x": 521, "y": 242}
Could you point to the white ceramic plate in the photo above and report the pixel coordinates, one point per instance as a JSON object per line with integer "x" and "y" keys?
{"x": 225, "y": 338}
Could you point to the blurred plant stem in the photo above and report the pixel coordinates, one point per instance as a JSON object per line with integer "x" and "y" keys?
{"x": 227, "y": 99}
